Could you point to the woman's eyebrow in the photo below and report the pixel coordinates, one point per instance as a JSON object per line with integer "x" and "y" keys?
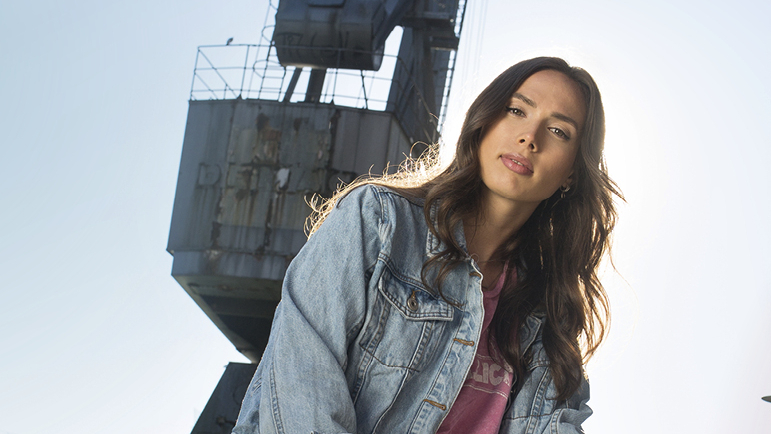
{"x": 532, "y": 104}
{"x": 566, "y": 118}
{"x": 524, "y": 99}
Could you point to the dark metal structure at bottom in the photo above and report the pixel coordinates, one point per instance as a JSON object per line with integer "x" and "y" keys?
{"x": 219, "y": 415}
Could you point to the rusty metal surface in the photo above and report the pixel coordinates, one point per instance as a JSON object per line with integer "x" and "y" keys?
{"x": 247, "y": 169}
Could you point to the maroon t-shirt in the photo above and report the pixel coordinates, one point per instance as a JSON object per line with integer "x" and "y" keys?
{"x": 482, "y": 399}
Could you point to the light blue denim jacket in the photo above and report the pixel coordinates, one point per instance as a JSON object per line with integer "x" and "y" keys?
{"x": 358, "y": 345}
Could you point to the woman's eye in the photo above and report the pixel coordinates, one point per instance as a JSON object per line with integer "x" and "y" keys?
{"x": 515, "y": 111}
{"x": 560, "y": 133}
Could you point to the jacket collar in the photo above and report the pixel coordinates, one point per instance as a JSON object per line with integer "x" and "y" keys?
{"x": 433, "y": 244}
{"x": 530, "y": 330}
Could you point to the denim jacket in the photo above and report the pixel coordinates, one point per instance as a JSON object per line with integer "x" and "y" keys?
{"x": 359, "y": 345}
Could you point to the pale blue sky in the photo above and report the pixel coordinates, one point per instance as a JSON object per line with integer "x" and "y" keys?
{"x": 95, "y": 336}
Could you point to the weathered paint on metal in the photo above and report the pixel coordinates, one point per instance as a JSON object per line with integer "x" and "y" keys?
{"x": 248, "y": 168}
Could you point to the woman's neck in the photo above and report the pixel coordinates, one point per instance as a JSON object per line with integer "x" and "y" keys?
{"x": 495, "y": 223}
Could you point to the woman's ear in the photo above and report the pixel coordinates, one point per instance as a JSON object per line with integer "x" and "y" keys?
{"x": 568, "y": 182}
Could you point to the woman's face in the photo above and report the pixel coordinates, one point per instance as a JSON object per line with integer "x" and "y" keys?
{"x": 529, "y": 152}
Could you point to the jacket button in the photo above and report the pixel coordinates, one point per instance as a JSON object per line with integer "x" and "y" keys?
{"x": 412, "y": 302}
{"x": 474, "y": 274}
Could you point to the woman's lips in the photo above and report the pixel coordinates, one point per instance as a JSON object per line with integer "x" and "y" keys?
{"x": 517, "y": 163}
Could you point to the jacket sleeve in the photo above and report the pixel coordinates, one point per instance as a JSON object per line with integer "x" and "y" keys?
{"x": 300, "y": 385}
{"x": 568, "y": 419}
{"x": 534, "y": 411}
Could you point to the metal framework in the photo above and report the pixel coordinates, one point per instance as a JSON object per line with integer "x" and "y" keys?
{"x": 253, "y": 71}
{"x": 219, "y": 73}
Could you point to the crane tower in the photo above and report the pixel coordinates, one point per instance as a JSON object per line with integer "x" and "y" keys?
{"x": 316, "y": 103}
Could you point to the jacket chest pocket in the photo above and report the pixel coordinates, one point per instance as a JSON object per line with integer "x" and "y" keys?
{"x": 406, "y": 323}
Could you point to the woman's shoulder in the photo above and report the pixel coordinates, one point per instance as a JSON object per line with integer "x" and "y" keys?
{"x": 380, "y": 192}
{"x": 368, "y": 204}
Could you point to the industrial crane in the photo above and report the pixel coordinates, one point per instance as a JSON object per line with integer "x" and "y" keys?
{"x": 249, "y": 165}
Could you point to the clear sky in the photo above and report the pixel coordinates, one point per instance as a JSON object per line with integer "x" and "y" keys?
{"x": 95, "y": 335}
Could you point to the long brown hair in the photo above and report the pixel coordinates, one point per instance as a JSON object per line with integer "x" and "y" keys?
{"x": 556, "y": 252}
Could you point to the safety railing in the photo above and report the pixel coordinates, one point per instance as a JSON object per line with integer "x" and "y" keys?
{"x": 459, "y": 18}
{"x": 251, "y": 71}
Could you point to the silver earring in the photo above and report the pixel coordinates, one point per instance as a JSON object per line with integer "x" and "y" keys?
{"x": 563, "y": 190}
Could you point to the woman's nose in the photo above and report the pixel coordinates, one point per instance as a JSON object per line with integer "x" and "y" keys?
{"x": 527, "y": 138}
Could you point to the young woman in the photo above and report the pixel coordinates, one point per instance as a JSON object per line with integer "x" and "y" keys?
{"x": 465, "y": 303}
